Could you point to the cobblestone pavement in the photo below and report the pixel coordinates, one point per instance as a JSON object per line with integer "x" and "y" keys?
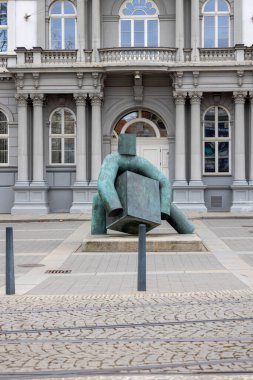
{"x": 57, "y": 336}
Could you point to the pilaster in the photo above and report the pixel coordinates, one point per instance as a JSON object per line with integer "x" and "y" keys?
{"x": 195, "y": 38}
{"x": 180, "y": 159}
{"x": 96, "y": 137}
{"x": 180, "y": 29}
{"x": 96, "y": 29}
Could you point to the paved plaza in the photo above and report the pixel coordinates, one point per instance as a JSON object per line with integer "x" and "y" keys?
{"x": 196, "y": 318}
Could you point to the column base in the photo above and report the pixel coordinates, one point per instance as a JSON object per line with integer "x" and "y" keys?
{"x": 82, "y": 197}
{"x": 190, "y": 198}
{"x": 242, "y": 198}
{"x": 30, "y": 199}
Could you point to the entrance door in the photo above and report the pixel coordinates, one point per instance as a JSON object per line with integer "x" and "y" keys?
{"x": 155, "y": 150}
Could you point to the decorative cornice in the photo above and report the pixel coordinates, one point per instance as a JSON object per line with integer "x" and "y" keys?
{"x": 21, "y": 99}
{"x": 80, "y": 99}
{"x": 239, "y": 97}
{"x": 37, "y": 99}
{"x": 179, "y": 97}
{"x": 195, "y": 97}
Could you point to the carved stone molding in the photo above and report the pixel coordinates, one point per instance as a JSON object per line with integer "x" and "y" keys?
{"x": 95, "y": 78}
{"x": 79, "y": 79}
{"x": 251, "y": 97}
{"x": 20, "y": 80}
{"x": 36, "y": 80}
{"x": 37, "y": 99}
{"x": 195, "y": 97}
{"x": 179, "y": 78}
{"x": 240, "y": 75}
{"x": 239, "y": 97}
{"x": 195, "y": 75}
{"x": 21, "y": 99}
{"x": 96, "y": 99}
{"x": 80, "y": 99}
{"x": 179, "y": 97}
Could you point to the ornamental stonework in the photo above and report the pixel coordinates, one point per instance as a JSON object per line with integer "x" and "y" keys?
{"x": 239, "y": 97}
{"x": 179, "y": 97}
{"x": 195, "y": 97}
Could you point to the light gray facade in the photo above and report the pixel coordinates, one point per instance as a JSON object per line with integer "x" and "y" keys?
{"x": 100, "y": 82}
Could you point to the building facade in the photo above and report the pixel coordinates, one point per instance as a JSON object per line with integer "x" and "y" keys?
{"x": 76, "y": 73}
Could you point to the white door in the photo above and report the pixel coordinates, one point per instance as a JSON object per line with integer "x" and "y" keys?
{"x": 155, "y": 150}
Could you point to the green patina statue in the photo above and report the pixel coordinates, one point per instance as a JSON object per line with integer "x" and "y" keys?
{"x": 109, "y": 205}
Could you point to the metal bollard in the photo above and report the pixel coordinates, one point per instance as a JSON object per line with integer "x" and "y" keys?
{"x": 141, "y": 282}
{"x": 10, "y": 276}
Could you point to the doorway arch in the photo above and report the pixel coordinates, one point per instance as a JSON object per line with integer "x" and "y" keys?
{"x": 151, "y": 140}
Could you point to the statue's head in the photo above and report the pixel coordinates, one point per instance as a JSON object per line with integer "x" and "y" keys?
{"x": 127, "y": 144}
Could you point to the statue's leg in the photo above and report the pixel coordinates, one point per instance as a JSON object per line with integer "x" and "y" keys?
{"x": 178, "y": 221}
{"x": 98, "y": 222}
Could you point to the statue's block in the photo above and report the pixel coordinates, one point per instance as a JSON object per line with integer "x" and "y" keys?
{"x": 127, "y": 144}
{"x": 140, "y": 198}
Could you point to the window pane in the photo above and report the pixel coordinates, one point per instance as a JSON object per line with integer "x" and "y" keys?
{"x": 3, "y": 144}
{"x": 3, "y": 151}
{"x": 2, "y": 116}
{"x": 152, "y": 33}
{"x": 223, "y": 151}
{"x": 3, "y": 128}
{"x": 56, "y": 123}
{"x": 209, "y": 157}
{"x": 139, "y": 33}
{"x": 70, "y": 33}
{"x": 69, "y": 123}
{"x": 126, "y": 33}
{"x": 69, "y": 8}
{"x": 209, "y": 32}
{"x": 56, "y": 34}
{"x": 56, "y": 151}
{"x": 3, "y": 40}
{"x": 141, "y": 130}
{"x": 210, "y": 6}
{"x": 56, "y": 8}
{"x": 209, "y": 129}
{"x": 69, "y": 151}
{"x": 222, "y": 6}
{"x": 223, "y": 30}
{"x": 223, "y": 165}
{"x": 3, "y": 13}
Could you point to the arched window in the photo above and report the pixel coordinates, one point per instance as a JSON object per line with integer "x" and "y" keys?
{"x": 139, "y": 24}
{"x": 62, "y": 25}
{"x": 142, "y": 123}
{"x": 216, "y": 24}
{"x": 62, "y": 137}
{"x": 4, "y": 140}
{"x": 217, "y": 141}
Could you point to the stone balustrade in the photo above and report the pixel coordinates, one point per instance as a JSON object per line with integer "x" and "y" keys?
{"x": 141, "y": 55}
{"x": 210, "y": 55}
{"x": 58, "y": 56}
{"x": 248, "y": 54}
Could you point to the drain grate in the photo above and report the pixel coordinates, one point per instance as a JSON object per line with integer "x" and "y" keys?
{"x": 58, "y": 271}
{"x": 31, "y": 265}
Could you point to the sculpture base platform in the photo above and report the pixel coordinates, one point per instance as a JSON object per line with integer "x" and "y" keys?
{"x": 114, "y": 242}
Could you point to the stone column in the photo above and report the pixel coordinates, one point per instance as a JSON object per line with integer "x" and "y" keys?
{"x": 180, "y": 29}
{"x": 96, "y": 137}
{"x": 96, "y": 32}
{"x": 251, "y": 140}
{"x": 180, "y": 173}
{"x": 38, "y": 162}
{"x": 22, "y": 140}
{"x": 81, "y": 160}
{"x": 195, "y": 39}
{"x": 80, "y": 192}
{"x": 239, "y": 172}
{"x": 196, "y": 177}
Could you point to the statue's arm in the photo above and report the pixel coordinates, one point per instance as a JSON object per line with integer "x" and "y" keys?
{"x": 106, "y": 188}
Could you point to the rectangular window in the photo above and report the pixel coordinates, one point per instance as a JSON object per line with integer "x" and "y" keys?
{"x": 152, "y": 26}
{"x": 3, "y": 150}
{"x": 56, "y": 33}
{"x": 126, "y": 33}
{"x": 139, "y": 33}
{"x": 56, "y": 150}
{"x": 223, "y": 31}
{"x": 3, "y": 27}
{"x": 209, "y": 32}
{"x": 69, "y": 32}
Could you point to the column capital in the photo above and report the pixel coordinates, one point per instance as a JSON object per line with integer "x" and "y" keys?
{"x": 21, "y": 99}
{"x": 37, "y": 99}
{"x": 195, "y": 97}
{"x": 96, "y": 99}
{"x": 80, "y": 99}
{"x": 251, "y": 97}
{"x": 239, "y": 97}
{"x": 179, "y": 97}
